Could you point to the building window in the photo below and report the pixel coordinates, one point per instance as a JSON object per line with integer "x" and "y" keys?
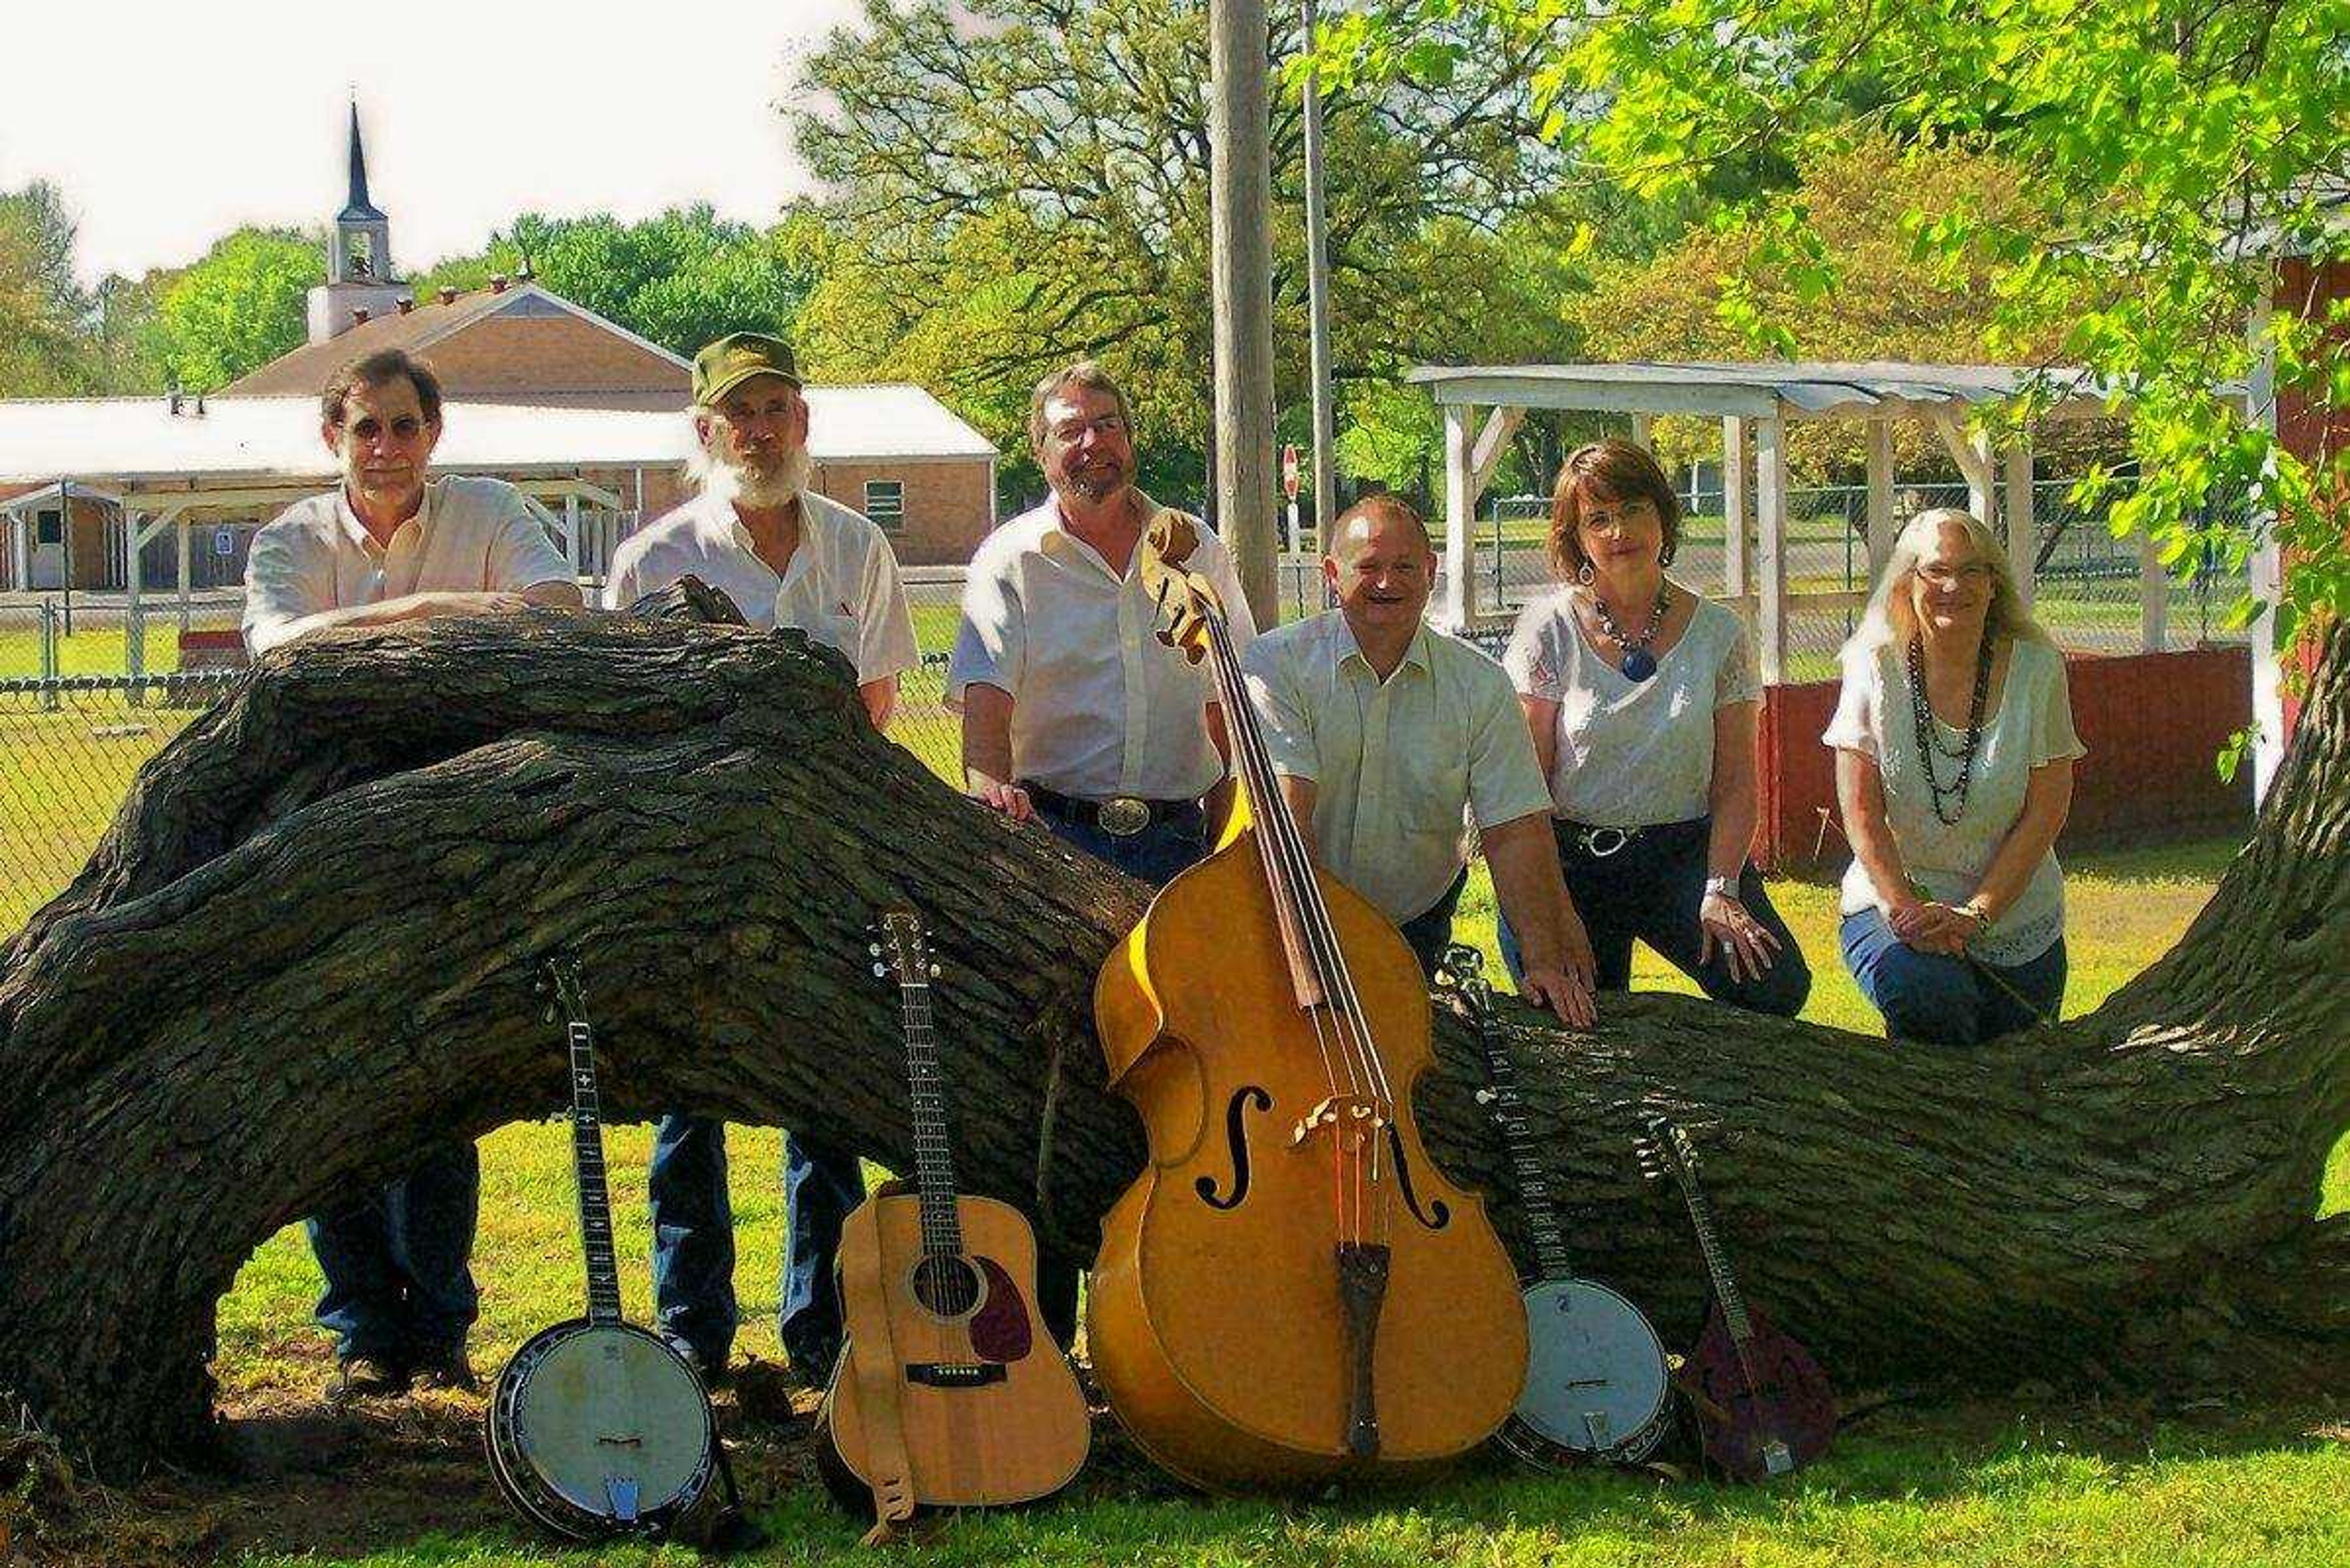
{"x": 885, "y": 502}
{"x": 48, "y": 526}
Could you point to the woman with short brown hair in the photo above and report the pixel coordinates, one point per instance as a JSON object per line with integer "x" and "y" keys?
{"x": 1642, "y": 697}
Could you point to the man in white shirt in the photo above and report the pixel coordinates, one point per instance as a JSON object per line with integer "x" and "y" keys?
{"x": 788, "y": 558}
{"x": 1074, "y": 712}
{"x": 1389, "y": 736}
{"x": 389, "y": 545}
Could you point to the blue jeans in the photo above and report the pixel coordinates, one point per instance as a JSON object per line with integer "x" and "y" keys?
{"x": 1155, "y": 855}
{"x": 693, "y": 1241}
{"x": 1943, "y": 999}
{"x": 398, "y": 1287}
{"x": 1650, "y": 890}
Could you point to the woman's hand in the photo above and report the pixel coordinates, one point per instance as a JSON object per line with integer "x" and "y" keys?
{"x": 1746, "y": 944}
{"x": 1943, "y": 929}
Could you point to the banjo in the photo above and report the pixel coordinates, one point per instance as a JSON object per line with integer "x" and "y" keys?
{"x": 1597, "y": 1381}
{"x": 596, "y": 1429}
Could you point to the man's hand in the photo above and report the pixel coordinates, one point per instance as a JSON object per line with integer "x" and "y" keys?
{"x": 463, "y": 603}
{"x": 1008, "y": 798}
{"x": 1565, "y": 992}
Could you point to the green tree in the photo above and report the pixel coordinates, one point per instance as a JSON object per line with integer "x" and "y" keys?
{"x": 2168, "y": 147}
{"x": 679, "y": 279}
{"x": 238, "y": 308}
{"x": 43, "y": 347}
{"x": 1016, "y": 194}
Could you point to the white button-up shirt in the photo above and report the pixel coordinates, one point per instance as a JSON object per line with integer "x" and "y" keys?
{"x": 471, "y": 536}
{"x": 841, "y": 585}
{"x": 1399, "y": 766}
{"x": 1100, "y": 707}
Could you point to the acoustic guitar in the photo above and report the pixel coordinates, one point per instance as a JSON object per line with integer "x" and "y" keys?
{"x": 1763, "y": 1406}
{"x": 950, "y": 1393}
{"x": 596, "y": 1428}
{"x": 1596, "y": 1383}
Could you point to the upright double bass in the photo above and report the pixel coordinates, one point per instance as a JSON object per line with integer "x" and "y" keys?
{"x": 1291, "y": 1289}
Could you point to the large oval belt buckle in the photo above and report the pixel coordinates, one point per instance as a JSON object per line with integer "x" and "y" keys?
{"x": 1602, "y": 841}
{"x": 1123, "y": 816}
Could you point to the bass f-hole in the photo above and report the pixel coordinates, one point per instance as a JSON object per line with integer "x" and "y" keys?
{"x": 1249, "y": 1097}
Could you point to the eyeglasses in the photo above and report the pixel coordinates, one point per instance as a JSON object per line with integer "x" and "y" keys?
{"x": 1616, "y": 518}
{"x": 1940, "y": 577}
{"x": 1073, "y": 431}
{"x": 406, "y": 427}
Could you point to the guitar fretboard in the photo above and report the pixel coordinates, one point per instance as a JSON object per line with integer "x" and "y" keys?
{"x": 1517, "y": 1134}
{"x": 934, "y": 1176}
{"x": 595, "y": 1197}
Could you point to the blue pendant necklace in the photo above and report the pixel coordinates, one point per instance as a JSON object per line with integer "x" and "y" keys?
{"x": 1638, "y": 662}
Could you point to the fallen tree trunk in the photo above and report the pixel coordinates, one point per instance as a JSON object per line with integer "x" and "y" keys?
{"x": 308, "y": 948}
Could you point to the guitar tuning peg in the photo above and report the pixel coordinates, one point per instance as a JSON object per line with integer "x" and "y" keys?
{"x": 1487, "y": 1097}
{"x": 873, "y": 948}
{"x": 935, "y": 971}
{"x": 881, "y": 971}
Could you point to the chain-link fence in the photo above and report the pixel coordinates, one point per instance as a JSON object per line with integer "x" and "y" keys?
{"x": 2088, "y": 584}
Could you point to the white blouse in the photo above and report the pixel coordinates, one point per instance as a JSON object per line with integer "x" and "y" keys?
{"x": 2033, "y": 726}
{"x": 1632, "y": 753}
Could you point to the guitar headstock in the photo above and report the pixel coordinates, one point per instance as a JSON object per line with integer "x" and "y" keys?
{"x": 902, "y": 947}
{"x": 563, "y": 977}
{"x": 1187, "y": 605}
{"x": 1667, "y": 1150}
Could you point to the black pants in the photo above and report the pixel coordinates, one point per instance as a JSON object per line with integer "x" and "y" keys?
{"x": 1429, "y": 932}
{"x": 1648, "y": 890}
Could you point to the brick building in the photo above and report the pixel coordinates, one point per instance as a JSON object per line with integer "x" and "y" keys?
{"x": 80, "y": 479}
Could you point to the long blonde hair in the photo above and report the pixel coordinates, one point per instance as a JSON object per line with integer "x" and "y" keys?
{"x": 1890, "y": 621}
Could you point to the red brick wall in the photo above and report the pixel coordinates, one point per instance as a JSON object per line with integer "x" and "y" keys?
{"x": 2153, "y": 723}
{"x": 2309, "y": 427}
{"x": 947, "y": 504}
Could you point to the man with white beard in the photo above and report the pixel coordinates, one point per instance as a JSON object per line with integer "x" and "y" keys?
{"x": 788, "y": 558}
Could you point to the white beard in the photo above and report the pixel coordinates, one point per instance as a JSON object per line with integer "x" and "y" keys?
{"x": 717, "y": 478}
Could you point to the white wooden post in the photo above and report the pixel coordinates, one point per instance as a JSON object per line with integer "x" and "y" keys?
{"x": 134, "y": 628}
{"x": 1983, "y": 496}
{"x": 1459, "y": 514}
{"x": 1771, "y": 544}
{"x": 2153, "y": 595}
{"x": 1883, "y": 528}
{"x": 571, "y": 534}
{"x": 1642, "y": 429}
{"x": 182, "y": 530}
{"x": 1737, "y": 526}
{"x": 2022, "y": 536}
{"x": 2267, "y": 573}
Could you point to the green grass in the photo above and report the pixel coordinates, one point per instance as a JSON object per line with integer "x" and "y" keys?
{"x": 1992, "y": 1484}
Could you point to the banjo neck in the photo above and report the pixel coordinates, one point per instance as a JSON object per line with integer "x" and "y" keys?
{"x": 1501, "y": 1098}
{"x": 588, "y": 1155}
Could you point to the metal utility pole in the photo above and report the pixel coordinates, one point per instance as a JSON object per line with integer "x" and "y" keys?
{"x": 1318, "y": 289}
{"x": 1239, "y": 209}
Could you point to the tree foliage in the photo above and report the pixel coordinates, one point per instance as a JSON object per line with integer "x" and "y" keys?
{"x": 238, "y": 308}
{"x": 41, "y": 306}
{"x": 680, "y": 278}
{"x": 2170, "y": 147}
{"x": 1019, "y": 182}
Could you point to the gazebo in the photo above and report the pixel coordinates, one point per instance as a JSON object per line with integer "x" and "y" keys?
{"x": 1756, "y": 402}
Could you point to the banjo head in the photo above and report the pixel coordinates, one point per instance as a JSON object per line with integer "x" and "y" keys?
{"x": 1595, "y": 1378}
{"x": 602, "y": 1429}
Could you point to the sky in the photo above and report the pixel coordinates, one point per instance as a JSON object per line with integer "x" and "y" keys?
{"x": 167, "y": 125}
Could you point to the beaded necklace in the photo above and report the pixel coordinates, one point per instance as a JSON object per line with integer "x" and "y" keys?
{"x": 1638, "y": 662}
{"x": 1930, "y": 744}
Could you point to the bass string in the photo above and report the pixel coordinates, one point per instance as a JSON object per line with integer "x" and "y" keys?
{"x": 1349, "y": 1024}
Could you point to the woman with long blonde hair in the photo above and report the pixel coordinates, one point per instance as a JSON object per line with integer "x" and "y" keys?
{"x": 1954, "y": 745}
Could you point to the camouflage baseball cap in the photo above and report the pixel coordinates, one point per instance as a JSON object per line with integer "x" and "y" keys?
{"x": 736, "y": 359}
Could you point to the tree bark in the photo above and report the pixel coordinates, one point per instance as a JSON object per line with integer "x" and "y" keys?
{"x": 308, "y": 948}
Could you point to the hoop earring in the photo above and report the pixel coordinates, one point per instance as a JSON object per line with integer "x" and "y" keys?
{"x": 1583, "y": 574}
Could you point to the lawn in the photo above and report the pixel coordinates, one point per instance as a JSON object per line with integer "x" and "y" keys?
{"x": 2023, "y": 1478}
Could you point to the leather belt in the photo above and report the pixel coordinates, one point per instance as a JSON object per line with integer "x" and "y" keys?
{"x": 1599, "y": 842}
{"x": 1120, "y": 816}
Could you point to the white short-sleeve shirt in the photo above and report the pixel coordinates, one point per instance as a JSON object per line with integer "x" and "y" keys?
{"x": 1402, "y": 766}
{"x": 1632, "y": 753}
{"x": 2032, "y": 726}
{"x": 841, "y": 585}
{"x": 1100, "y": 707}
{"x": 471, "y": 536}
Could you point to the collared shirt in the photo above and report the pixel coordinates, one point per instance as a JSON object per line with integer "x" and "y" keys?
{"x": 1399, "y": 766}
{"x": 841, "y": 585}
{"x": 1100, "y": 707}
{"x": 471, "y": 536}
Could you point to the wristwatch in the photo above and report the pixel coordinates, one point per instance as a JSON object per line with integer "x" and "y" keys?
{"x": 1726, "y": 887}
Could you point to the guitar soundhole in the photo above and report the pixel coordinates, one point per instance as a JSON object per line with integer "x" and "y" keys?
{"x": 947, "y": 1286}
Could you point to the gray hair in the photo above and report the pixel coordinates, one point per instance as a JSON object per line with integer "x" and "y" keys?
{"x": 1085, "y": 373}
{"x": 1890, "y": 620}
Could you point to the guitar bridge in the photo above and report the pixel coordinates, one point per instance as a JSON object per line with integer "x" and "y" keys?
{"x": 953, "y": 1374}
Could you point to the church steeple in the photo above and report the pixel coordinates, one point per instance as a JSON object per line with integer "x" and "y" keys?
{"x": 359, "y": 209}
{"x": 359, "y": 282}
